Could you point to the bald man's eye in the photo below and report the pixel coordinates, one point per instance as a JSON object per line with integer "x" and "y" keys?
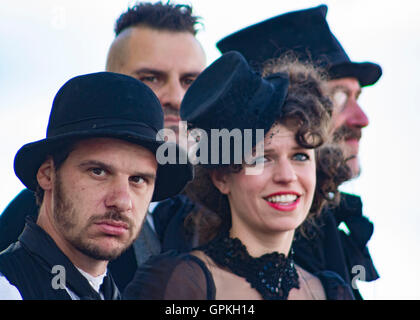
{"x": 188, "y": 81}
{"x": 150, "y": 79}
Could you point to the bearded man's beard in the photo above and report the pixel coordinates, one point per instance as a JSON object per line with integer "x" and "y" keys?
{"x": 345, "y": 132}
{"x": 340, "y": 135}
{"x": 65, "y": 216}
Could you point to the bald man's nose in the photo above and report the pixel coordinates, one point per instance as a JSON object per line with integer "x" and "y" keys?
{"x": 171, "y": 95}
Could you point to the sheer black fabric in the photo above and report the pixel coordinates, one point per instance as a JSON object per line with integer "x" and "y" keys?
{"x": 174, "y": 276}
{"x": 334, "y": 286}
{"x": 171, "y": 276}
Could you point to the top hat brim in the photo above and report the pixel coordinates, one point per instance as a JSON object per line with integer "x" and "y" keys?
{"x": 170, "y": 178}
{"x": 366, "y": 72}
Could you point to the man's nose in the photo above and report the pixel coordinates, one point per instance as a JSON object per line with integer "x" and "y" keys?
{"x": 171, "y": 95}
{"x": 118, "y": 196}
{"x": 356, "y": 117}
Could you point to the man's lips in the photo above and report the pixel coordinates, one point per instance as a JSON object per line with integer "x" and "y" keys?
{"x": 284, "y": 200}
{"x": 352, "y": 141}
{"x": 112, "y": 227}
{"x": 172, "y": 119}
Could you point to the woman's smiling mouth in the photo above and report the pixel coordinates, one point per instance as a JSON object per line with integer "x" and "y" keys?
{"x": 283, "y": 201}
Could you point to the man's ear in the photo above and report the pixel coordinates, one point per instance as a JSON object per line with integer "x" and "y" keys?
{"x": 45, "y": 174}
{"x": 220, "y": 180}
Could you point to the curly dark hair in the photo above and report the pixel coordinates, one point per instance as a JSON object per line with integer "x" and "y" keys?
{"x": 160, "y": 16}
{"x": 307, "y": 111}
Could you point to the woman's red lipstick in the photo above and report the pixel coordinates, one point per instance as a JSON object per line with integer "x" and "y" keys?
{"x": 284, "y": 206}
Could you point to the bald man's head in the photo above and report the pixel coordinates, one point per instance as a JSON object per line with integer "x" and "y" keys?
{"x": 156, "y": 44}
{"x": 167, "y": 61}
{"x": 118, "y": 51}
{"x": 157, "y": 16}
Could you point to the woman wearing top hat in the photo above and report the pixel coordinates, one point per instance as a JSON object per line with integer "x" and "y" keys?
{"x": 259, "y": 212}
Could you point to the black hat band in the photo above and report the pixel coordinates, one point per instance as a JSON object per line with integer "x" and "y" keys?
{"x": 101, "y": 123}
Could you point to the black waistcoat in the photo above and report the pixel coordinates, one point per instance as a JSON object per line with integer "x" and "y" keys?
{"x": 29, "y": 264}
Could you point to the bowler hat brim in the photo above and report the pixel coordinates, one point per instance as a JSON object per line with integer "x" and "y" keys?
{"x": 366, "y": 72}
{"x": 170, "y": 178}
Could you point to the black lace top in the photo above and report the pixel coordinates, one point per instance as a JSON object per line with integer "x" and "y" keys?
{"x": 174, "y": 276}
{"x": 272, "y": 275}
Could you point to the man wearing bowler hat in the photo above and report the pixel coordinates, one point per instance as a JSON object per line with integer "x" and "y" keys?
{"x": 155, "y": 43}
{"x": 94, "y": 176}
{"x": 307, "y": 36}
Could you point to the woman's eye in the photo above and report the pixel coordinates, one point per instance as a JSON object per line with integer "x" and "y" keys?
{"x": 301, "y": 157}
{"x": 258, "y": 160}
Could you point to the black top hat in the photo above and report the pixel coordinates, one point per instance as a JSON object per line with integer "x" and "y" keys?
{"x": 230, "y": 95}
{"x": 104, "y": 104}
{"x": 307, "y": 34}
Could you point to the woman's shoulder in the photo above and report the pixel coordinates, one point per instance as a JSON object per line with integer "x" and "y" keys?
{"x": 324, "y": 285}
{"x": 310, "y": 287}
{"x": 334, "y": 285}
{"x": 171, "y": 275}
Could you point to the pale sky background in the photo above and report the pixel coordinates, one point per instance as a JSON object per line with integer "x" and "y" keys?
{"x": 46, "y": 42}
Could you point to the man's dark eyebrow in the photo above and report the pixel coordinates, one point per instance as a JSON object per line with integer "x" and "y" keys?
{"x": 157, "y": 72}
{"x": 96, "y": 163}
{"x": 148, "y": 176}
{"x": 191, "y": 74}
{"x": 150, "y": 70}
{"x": 110, "y": 168}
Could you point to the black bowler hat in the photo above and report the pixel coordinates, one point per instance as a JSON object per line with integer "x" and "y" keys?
{"x": 307, "y": 34}
{"x": 104, "y": 104}
{"x": 229, "y": 94}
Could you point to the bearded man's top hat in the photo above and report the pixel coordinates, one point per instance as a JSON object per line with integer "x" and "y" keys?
{"x": 307, "y": 35}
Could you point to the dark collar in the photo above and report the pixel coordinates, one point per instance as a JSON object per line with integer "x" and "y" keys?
{"x": 350, "y": 206}
{"x": 44, "y": 250}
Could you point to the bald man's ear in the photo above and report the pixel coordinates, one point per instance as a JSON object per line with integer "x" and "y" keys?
{"x": 45, "y": 175}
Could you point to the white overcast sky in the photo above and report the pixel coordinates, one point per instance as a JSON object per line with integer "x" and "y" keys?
{"x": 46, "y": 42}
